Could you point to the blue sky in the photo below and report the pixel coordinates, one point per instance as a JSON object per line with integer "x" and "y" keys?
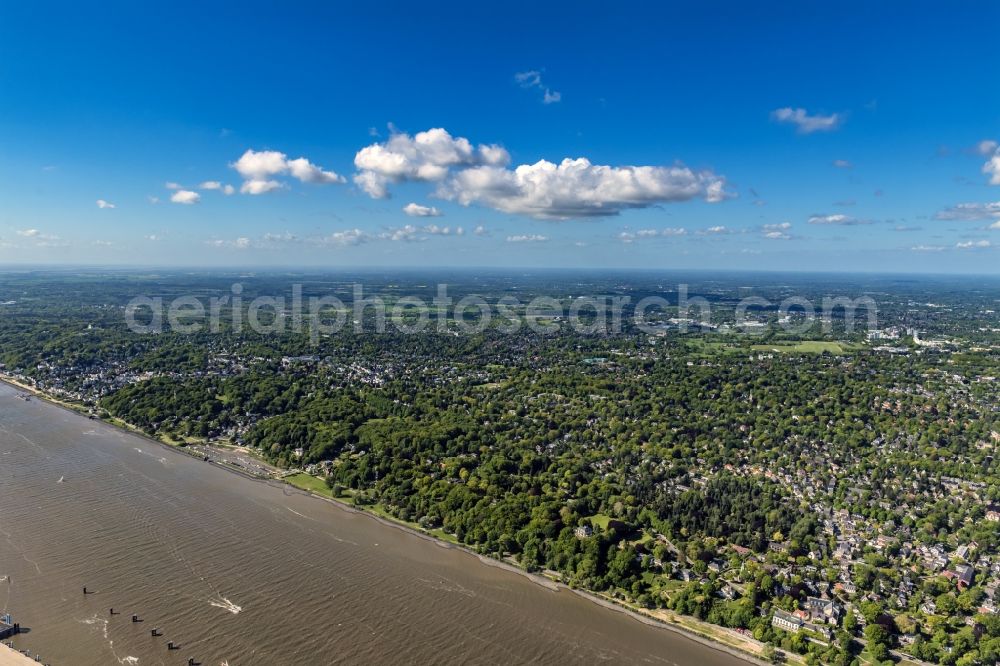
{"x": 799, "y": 136}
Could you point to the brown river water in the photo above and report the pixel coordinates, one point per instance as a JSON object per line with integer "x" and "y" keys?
{"x": 237, "y": 571}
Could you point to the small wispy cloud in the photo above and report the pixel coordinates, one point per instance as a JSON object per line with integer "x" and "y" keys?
{"x": 992, "y": 168}
{"x": 718, "y": 230}
{"x": 837, "y": 219}
{"x": 970, "y": 212}
{"x": 346, "y": 237}
{"x": 779, "y": 231}
{"x": 533, "y": 79}
{"x": 527, "y": 238}
{"x": 974, "y": 245}
{"x": 435, "y": 230}
{"x": 631, "y": 236}
{"x": 41, "y": 239}
{"x": 987, "y": 147}
{"x": 241, "y": 243}
{"x": 101, "y": 203}
{"x": 186, "y": 197}
{"x": 216, "y": 185}
{"x": 842, "y": 164}
{"x": 416, "y": 210}
{"x": 806, "y": 123}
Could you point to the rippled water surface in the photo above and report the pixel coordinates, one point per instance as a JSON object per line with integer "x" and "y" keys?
{"x": 236, "y": 571}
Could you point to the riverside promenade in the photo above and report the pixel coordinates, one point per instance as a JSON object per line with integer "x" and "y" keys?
{"x": 9, "y": 657}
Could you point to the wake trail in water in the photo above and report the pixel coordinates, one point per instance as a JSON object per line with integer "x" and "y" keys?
{"x": 225, "y": 604}
{"x": 35, "y": 445}
{"x": 20, "y": 551}
{"x": 97, "y": 621}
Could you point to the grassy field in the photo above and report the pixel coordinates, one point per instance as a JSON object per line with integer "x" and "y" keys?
{"x": 705, "y": 348}
{"x": 600, "y": 520}
{"x": 804, "y": 347}
{"x": 315, "y": 485}
{"x": 310, "y": 483}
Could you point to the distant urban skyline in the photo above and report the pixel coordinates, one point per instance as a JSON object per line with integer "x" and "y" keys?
{"x": 722, "y": 136}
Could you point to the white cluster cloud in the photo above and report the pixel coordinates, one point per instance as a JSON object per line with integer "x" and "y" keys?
{"x": 259, "y": 186}
{"x": 576, "y": 188}
{"x": 838, "y": 219}
{"x": 718, "y": 230}
{"x": 527, "y": 238}
{"x": 241, "y": 243}
{"x": 435, "y": 230}
{"x": 186, "y": 197}
{"x": 189, "y": 195}
{"x": 970, "y": 211}
{"x": 992, "y": 168}
{"x": 974, "y": 245}
{"x": 479, "y": 174}
{"x": 101, "y": 203}
{"x": 412, "y": 232}
{"x": 806, "y": 123}
{"x": 427, "y": 156}
{"x": 416, "y": 210}
{"x": 777, "y": 231}
{"x": 631, "y": 236}
{"x": 928, "y": 248}
{"x": 345, "y": 237}
{"x": 533, "y": 79}
{"x": 216, "y": 185}
{"x": 258, "y": 169}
